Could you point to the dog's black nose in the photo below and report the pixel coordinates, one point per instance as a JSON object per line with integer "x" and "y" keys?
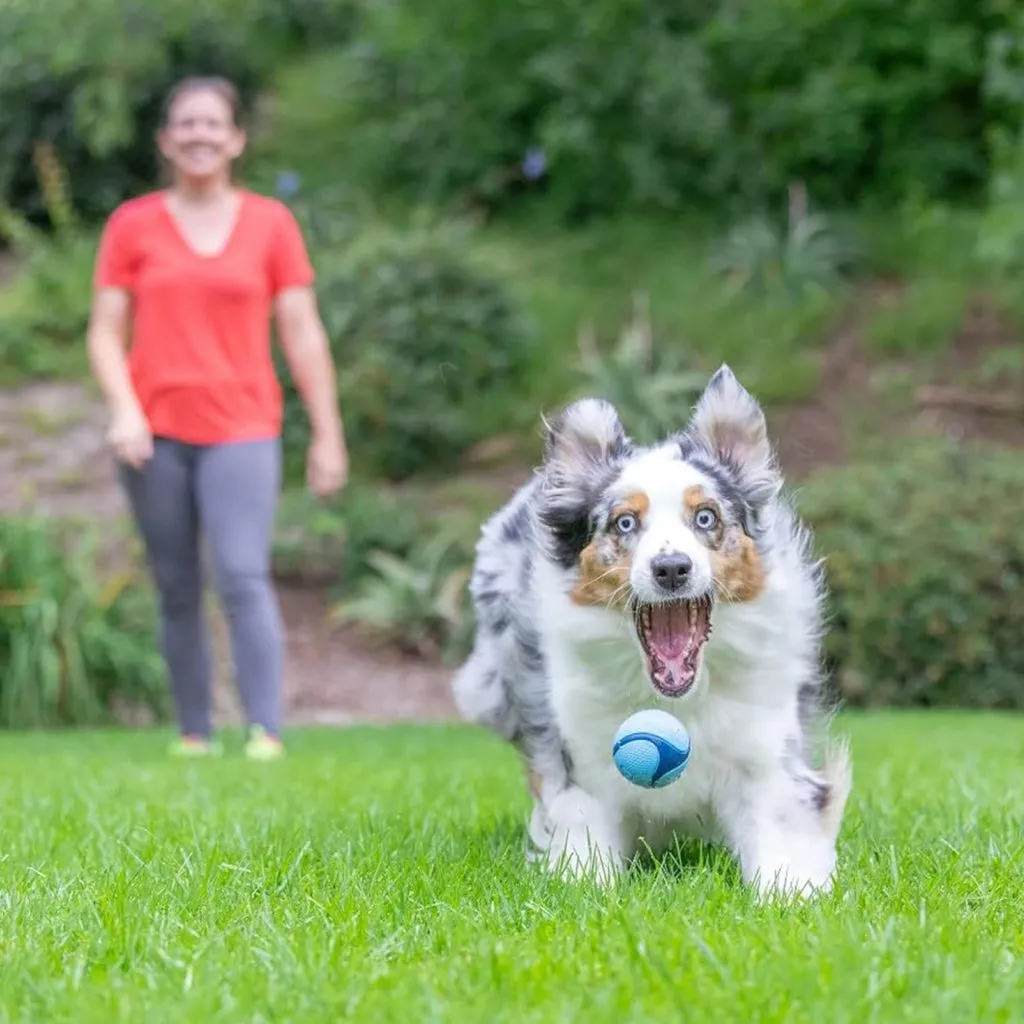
{"x": 671, "y": 570}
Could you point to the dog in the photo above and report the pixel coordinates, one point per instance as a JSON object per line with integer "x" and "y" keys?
{"x": 675, "y": 576}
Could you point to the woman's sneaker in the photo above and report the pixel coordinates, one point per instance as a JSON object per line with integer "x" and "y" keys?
{"x": 262, "y": 745}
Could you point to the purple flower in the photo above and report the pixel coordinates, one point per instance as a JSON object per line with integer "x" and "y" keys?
{"x": 287, "y": 184}
{"x": 535, "y": 163}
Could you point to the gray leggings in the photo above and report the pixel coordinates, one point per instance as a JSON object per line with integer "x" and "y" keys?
{"x": 228, "y": 492}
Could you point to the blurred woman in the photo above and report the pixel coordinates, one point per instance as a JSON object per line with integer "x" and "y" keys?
{"x": 187, "y": 282}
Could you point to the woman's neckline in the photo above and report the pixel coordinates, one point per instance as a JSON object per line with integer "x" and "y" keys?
{"x": 240, "y": 199}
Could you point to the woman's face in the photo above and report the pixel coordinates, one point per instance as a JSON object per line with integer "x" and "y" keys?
{"x": 200, "y": 139}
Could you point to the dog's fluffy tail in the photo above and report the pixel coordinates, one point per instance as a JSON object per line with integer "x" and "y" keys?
{"x": 838, "y": 772}
{"x": 480, "y": 693}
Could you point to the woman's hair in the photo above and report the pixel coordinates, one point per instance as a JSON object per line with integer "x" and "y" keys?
{"x": 205, "y": 83}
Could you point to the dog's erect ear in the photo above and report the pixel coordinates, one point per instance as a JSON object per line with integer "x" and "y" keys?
{"x": 584, "y": 445}
{"x": 729, "y": 422}
{"x": 585, "y": 436}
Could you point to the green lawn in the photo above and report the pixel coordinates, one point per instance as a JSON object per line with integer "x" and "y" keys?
{"x": 377, "y": 875}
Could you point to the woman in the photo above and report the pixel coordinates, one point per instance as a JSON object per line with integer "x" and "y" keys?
{"x": 187, "y": 281}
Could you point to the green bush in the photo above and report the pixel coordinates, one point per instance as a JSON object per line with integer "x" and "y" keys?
{"x": 925, "y": 562}
{"x": 72, "y": 644}
{"x": 422, "y": 339}
{"x": 419, "y": 602}
{"x": 648, "y": 383}
{"x": 91, "y": 78}
{"x": 661, "y": 104}
{"x": 321, "y": 542}
{"x": 924, "y": 318}
{"x": 861, "y": 98}
{"x": 44, "y": 310}
{"x": 811, "y": 252}
{"x": 451, "y": 96}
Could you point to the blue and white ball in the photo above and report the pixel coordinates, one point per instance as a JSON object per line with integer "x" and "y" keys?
{"x": 651, "y": 749}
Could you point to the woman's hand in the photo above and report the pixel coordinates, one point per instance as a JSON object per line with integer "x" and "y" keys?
{"x": 129, "y": 435}
{"x": 326, "y": 465}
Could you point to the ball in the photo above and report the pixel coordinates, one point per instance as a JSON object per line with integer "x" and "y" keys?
{"x": 651, "y": 749}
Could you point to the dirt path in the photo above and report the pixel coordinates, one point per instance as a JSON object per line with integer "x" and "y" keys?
{"x": 54, "y": 462}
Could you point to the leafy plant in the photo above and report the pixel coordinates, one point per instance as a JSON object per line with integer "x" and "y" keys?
{"x": 102, "y": 113}
{"x": 422, "y": 339}
{"x": 923, "y": 318}
{"x": 651, "y": 386}
{"x": 657, "y": 105}
{"x": 419, "y": 603}
{"x": 809, "y": 254}
{"x": 1000, "y": 242}
{"x": 597, "y": 105}
{"x": 925, "y": 563}
{"x": 328, "y": 542}
{"x": 44, "y": 310}
{"x": 71, "y": 643}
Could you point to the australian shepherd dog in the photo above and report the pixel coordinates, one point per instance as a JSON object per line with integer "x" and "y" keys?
{"x": 673, "y": 576}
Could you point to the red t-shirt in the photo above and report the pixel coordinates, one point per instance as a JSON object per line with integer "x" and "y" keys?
{"x": 200, "y": 357}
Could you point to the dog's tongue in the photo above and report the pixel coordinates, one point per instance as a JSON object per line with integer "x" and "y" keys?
{"x": 676, "y": 632}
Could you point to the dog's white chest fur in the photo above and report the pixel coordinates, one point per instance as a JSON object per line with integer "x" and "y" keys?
{"x": 597, "y": 680}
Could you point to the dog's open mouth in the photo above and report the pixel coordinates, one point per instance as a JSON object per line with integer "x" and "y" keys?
{"x": 672, "y": 635}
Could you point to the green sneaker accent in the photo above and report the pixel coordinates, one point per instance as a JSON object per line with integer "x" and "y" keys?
{"x": 261, "y": 746}
{"x": 194, "y": 747}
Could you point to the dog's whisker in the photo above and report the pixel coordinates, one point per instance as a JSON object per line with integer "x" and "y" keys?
{"x": 605, "y": 574}
{"x": 616, "y": 593}
{"x": 727, "y": 592}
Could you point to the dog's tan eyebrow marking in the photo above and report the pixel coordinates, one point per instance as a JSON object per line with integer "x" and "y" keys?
{"x": 637, "y": 503}
{"x": 695, "y": 497}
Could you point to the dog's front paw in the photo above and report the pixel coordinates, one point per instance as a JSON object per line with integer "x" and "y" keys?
{"x": 576, "y": 837}
{"x": 789, "y": 881}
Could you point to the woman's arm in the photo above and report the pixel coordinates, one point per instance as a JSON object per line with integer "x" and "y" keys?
{"x": 308, "y": 353}
{"x": 107, "y": 341}
{"x": 106, "y": 338}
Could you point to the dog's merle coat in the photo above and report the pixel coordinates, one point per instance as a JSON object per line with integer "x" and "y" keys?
{"x": 532, "y": 679}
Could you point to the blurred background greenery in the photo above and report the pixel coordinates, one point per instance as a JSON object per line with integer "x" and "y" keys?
{"x": 508, "y": 207}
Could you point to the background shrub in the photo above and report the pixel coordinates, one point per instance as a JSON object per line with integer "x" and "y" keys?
{"x": 90, "y": 78}
{"x": 44, "y": 311}
{"x": 421, "y": 338}
{"x": 925, "y": 561}
{"x": 328, "y": 542}
{"x": 611, "y": 97}
{"x": 418, "y": 601}
{"x": 71, "y": 642}
{"x": 659, "y": 104}
{"x": 648, "y": 382}
{"x": 603, "y": 105}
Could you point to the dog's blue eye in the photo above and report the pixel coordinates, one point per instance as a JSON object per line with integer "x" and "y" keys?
{"x": 626, "y": 523}
{"x": 705, "y": 519}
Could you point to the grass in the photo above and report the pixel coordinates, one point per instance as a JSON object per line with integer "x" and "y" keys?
{"x": 377, "y": 875}
{"x": 591, "y": 275}
{"x": 921, "y": 321}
